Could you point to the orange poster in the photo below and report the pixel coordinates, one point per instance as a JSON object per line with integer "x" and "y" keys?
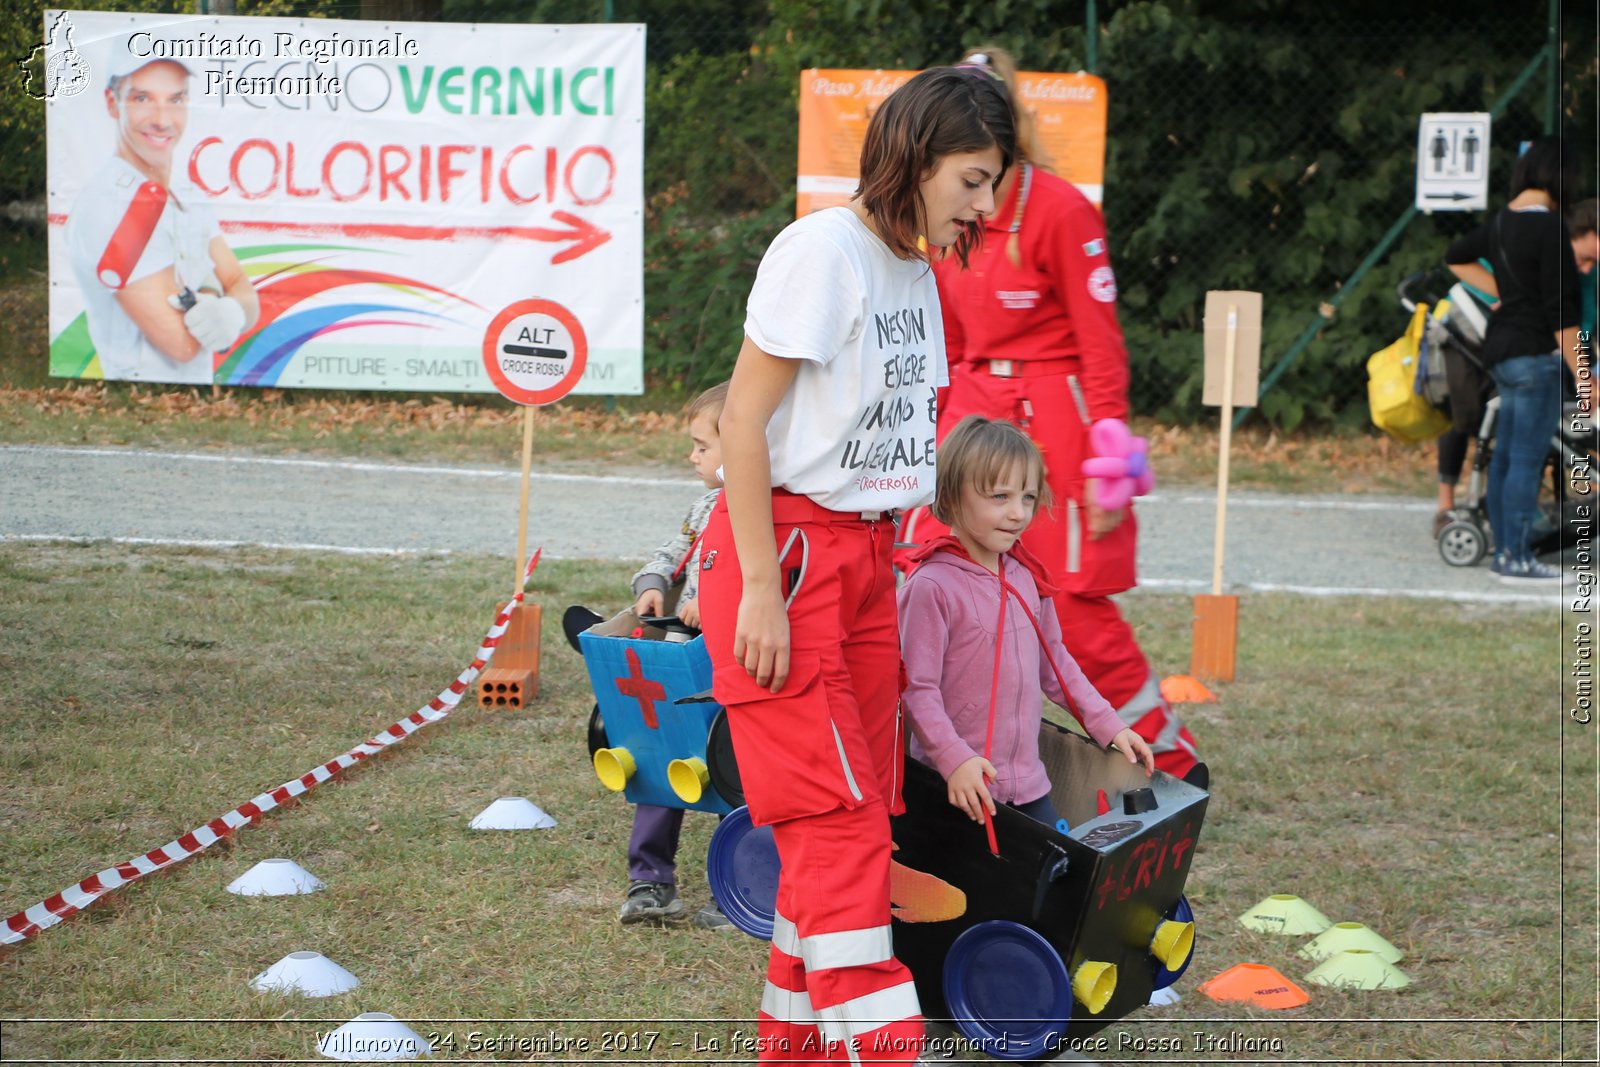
{"x": 1069, "y": 113}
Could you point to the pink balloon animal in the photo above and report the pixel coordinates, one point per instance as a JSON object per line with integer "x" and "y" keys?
{"x": 1120, "y": 467}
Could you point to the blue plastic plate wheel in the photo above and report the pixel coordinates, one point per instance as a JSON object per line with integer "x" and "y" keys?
{"x": 1182, "y": 913}
{"x": 1008, "y": 991}
{"x": 742, "y": 866}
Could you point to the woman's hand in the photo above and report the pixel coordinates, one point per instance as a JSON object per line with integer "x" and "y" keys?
{"x": 649, "y": 603}
{"x": 689, "y": 612}
{"x": 968, "y": 788}
{"x": 761, "y": 636}
{"x": 1102, "y": 522}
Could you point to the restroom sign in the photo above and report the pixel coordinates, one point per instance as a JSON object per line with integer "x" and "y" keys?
{"x": 535, "y": 351}
{"x": 1453, "y": 161}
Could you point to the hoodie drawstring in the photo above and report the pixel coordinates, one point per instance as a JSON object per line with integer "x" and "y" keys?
{"x": 994, "y": 681}
{"x": 994, "y": 696}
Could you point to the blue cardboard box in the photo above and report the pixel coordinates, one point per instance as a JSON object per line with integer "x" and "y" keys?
{"x": 637, "y": 683}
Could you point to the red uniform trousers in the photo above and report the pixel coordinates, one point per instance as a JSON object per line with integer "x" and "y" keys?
{"x": 1048, "y": 406}
{"x": 821, "y": 762}
{"x": 1102, "y": 642}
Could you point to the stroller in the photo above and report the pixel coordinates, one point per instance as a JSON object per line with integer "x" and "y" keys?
{"x": 1455, "y": 335}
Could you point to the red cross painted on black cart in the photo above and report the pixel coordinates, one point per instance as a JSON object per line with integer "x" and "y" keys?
{"x": 642, "y": 689}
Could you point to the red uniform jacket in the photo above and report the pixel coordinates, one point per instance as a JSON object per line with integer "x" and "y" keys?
{"x": 1058, "y": 304}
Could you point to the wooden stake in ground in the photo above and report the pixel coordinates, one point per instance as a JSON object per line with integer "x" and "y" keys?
{"x": 1233, "y": 358}
{"x": 535, "y": 352}
{"x": 522, "y": 501}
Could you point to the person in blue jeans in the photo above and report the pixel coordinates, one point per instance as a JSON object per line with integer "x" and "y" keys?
{"x": 1534, "y": 327}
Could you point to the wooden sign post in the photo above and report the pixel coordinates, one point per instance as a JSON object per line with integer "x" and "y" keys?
{"x": 1233, "y": 363}
{"x": 535, "y": 352}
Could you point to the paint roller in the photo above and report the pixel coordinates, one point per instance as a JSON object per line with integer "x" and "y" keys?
{"x": 132, "y": 235}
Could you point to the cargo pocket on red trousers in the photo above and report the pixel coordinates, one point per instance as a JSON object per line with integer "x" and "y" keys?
{"x": 792, "y": 760}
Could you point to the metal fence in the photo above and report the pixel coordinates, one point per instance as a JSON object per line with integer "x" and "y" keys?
{"x": 1259, "y": 150}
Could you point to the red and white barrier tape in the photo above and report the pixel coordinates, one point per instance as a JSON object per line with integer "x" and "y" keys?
{"x": 47, "y": 913}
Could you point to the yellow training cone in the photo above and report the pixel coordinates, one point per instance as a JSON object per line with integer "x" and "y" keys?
{"x": 1342, "y": 936}
{"x": 1093, "y": 983}
{"x": 614, "y": 766}
{"x": 1172, "y": 944}
{"x": 1358, "y": 968}
{"x": 688, "y": 778}
{"x": 1284, "y": 913}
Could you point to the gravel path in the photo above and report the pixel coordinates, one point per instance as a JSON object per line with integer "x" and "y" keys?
{"x": 1370, "y": 545}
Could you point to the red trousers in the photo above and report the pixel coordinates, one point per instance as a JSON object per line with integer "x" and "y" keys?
{"x": 1048, "y": 409}
{"x": 821, "y": 763}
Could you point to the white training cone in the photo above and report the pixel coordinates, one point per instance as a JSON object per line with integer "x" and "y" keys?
{"x": 310, "y": 974}
{"x": 1160, "y": 998}
{"x": 275, "y": 878}
{"x": 512, "y": 813}
{"x": 373, "y": 1035}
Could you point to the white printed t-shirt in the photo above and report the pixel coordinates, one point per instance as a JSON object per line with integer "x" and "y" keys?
{"x": 855, "y": 431}
{"x": 185, "y": 222}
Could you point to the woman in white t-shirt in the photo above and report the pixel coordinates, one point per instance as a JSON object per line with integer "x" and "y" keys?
{"x": 828, "y": 428}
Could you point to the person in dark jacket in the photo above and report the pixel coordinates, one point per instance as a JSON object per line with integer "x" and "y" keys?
{"x": 1535, "y": 325}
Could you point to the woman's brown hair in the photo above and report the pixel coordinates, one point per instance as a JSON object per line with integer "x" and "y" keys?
{"x": 938, "y": 113}
{"x": 993, "y": 57}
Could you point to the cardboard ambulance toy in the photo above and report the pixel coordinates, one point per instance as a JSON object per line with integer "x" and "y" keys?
{"x": 655, "y": 735}
{"x": 1051, "y": 936}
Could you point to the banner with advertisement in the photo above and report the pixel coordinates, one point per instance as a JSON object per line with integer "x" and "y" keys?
{"x": 333, "y": 204}
{"x": 1069, "y": 115}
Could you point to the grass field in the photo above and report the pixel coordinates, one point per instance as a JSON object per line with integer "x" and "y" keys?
{"x": 1402, "y": 764}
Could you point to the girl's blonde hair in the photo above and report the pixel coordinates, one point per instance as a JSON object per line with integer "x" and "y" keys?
{"x": 982, "y": 451}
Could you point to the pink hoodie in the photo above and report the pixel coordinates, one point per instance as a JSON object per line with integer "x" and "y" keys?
{"x": 949, "y": 609}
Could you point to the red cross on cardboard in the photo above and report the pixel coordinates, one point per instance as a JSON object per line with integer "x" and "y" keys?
{"x": 642, "y": 689}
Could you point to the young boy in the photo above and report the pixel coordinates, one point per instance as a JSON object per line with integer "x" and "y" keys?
{"x": 676, "y": 563}
{"x": 674, "y": 567}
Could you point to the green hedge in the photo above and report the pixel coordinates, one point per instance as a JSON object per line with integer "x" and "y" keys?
{"x": 1250, "y": 146}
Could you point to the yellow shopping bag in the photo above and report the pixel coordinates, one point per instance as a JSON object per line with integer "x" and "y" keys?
{"x": 1396, "y": 407}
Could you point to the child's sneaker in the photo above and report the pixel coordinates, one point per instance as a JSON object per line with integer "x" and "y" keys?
{"x": 710, "y": 917}
{"x": 650, "y": 900}
{"x": 1529, "y": 571}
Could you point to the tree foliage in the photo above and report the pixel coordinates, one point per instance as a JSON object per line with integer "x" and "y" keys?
{"x": 1253, "y": 144}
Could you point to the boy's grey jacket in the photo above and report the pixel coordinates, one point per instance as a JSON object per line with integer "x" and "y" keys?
{"x": 657, "y": 571}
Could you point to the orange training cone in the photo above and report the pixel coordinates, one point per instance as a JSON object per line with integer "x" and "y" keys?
{"x": 1186, "y": 689}
{"x": 1258, "y": 984}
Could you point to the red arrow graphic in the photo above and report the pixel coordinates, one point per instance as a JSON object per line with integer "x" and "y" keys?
{"x": 584, "y": 235}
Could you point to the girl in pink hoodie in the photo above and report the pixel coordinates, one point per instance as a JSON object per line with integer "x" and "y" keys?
{"x": 980, "y": 637}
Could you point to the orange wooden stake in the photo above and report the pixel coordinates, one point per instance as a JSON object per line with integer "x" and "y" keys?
{"x": 1215, "y": 638}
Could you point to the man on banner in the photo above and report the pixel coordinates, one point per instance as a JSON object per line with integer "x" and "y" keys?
{"x": 161, "y": 287}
